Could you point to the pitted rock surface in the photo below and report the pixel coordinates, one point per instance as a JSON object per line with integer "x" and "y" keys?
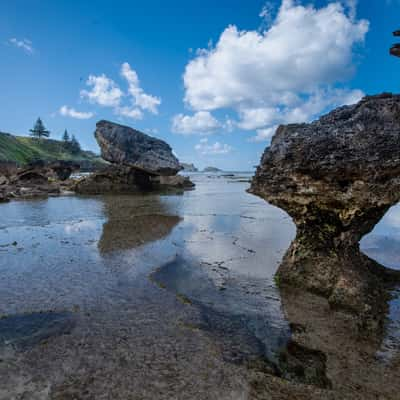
{"x": 336, "y": 178}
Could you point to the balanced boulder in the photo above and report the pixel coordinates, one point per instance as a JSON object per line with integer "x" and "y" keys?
{"x": 123, "y": 145}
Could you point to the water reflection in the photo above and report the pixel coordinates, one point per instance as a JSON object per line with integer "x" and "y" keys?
{"x": 252, "y": 322}
{"x": 209, "y": 308}
{"x": 351, "y": 359}
{"x": 23, "y": 331}
{"x": 383, "y": 243}
{"x": 128, "y": 225}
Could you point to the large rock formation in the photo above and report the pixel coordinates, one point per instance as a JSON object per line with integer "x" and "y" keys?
{"x": 126, "y": 146}
{"x": 336, "y": 177}
{"x": 138, "y": 163}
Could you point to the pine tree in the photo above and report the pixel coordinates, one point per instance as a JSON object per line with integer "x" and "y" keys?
{"x": 74, "y": 145}
{"x": 65, "y": 137}
{"x": 39, "y": 130}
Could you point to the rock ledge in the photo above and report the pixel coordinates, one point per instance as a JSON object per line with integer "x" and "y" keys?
{"x": 336, "y": 178}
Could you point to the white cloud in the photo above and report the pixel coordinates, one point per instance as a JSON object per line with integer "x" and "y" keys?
{"x": 286, "y": 73}
{"x": 217, "y": 148}
{"x": 265, "y": 121}
{"x": 71, "y": 112}
{"x": 104, "y": 91}
{"x": 253, "y": 118}
{"x": 267, "y": 13}
{"x": 23, "y": 44}
{"x": 202, "y": 122}
{"x": 141, "y": 99}
{"x": 352, "y": 7}
{"x": 264, "y": 134}
{"x": 130, "y": 112}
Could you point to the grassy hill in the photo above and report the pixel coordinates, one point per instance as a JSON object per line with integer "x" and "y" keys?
{"x": 23, "y": 150}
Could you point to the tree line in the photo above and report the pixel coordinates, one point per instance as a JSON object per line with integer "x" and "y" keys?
{"x": 70, "y": 143}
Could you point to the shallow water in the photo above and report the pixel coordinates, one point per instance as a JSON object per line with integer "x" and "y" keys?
{"x": 161, "y": 296}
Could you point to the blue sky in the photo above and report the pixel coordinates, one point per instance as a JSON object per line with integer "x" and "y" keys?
{"x": 213, "y": 79}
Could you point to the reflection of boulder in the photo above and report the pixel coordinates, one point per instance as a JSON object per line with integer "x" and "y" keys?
{"x": 129, "y": 226}
{"x": 136, "y": 231}
{"x": 336, "y": 178}
{"x": 344, "y": 357}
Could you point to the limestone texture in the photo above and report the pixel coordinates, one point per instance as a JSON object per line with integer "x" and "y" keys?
{"x": 336, "y": 177}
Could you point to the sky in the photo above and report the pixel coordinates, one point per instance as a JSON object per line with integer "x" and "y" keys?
{"x": 213, "y": 79}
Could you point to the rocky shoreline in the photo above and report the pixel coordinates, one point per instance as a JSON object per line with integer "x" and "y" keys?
{"x": 38, "y": 179}
{"x": 137, "y": 163}
{"x": 336, "y": 178}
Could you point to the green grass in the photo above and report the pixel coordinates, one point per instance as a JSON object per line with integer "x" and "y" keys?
{"x": 23, "y": 150}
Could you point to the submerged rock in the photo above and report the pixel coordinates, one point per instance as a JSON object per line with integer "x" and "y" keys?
{"x": 336, "y": 178}
{"x": 126, "y": 146}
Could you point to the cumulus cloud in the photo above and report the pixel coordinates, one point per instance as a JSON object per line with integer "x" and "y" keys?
{"x": 352, "y": 7}
{"x": 264, "y": 134}
{"x": 130, "y": 112}
{"x": 202, "y": 123}
{"x": 23, "y": 44}
{"x": 66, "y": 111}
{"x": 286, "y": 73}
{"x": 266, "y": 120}
{"x": 205, "y": 148}
{"x": 141, "y": 99}
{"x": 104, "y": 91}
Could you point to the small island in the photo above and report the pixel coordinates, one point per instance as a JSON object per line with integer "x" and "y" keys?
{"x": 186, "y": 167}
{"x": 211, "y": 169}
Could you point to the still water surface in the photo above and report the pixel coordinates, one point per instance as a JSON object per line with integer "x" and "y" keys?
{"x": 153, "y": 295}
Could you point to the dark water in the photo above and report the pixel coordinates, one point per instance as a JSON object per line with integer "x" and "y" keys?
{"x": 152, "y": 295}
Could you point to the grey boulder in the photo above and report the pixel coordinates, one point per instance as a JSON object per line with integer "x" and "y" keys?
{"x": 123, "y": 145}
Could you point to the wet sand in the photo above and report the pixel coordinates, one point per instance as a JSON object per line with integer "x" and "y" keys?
{"x": 173, "y": 297}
